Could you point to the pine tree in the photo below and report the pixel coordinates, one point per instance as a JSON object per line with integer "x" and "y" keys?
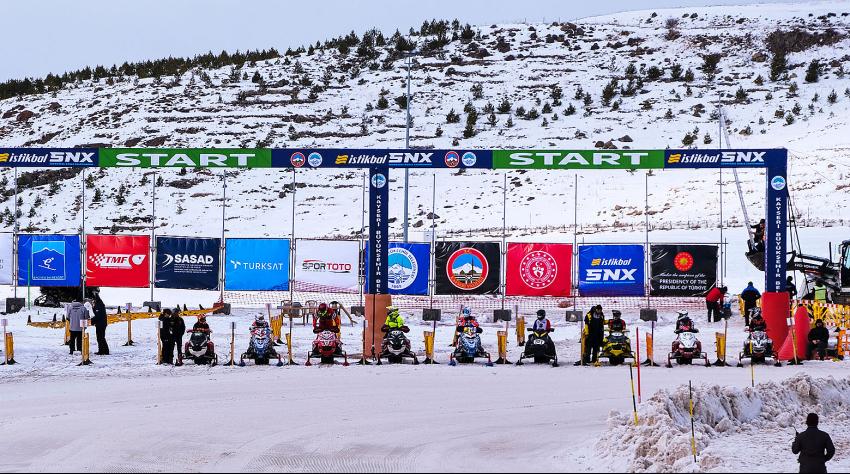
{"x": 383, "y": 103}
{"x": 452, "y": 117}
{"x": 504, "y": 106}
{"x": 97, "y": 195}
{"x": 813, "y": 72}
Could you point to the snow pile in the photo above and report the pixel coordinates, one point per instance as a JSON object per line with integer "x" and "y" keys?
{"x": 661, "y": 441}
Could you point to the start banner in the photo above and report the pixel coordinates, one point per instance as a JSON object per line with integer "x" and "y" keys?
{"x": 682, "y": 270}
{"x": 49, "y": 260}
{"x": 118, "y": 260}
{"x": 327, "y": 265}
{"x": 467, "y": 268}
{"x": 539, "y": 269}
{"x": 188, "y": 263}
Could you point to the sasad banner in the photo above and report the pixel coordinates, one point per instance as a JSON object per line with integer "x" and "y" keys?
{"x": 611, "y": 270}
{"x": 187, "y": 263}
{"x": 327, "y": 265}
{"x": 118, "y": 260}
{"x": 49, "y": 260}
{"x": 256, "y": 264}
{"x": 539, "y": 269}
{"x": 6, "y": 248}
{"x": 408, "y": 267}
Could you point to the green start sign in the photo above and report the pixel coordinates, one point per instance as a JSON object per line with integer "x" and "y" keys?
{"x": 578, "y": 159}
{"x": 185, "y": 158}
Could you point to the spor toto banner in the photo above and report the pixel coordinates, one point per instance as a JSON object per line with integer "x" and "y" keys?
{"x": 467, "y": 268}
{"x": 181, "y": 158}
{"x": 611, "y": 270}
{"x": 118, "y": 260}
{"x": 256, "y": 264}
{"x": 6, "y": 249}
{"x": 578, "y": 159}
{"x": 327, "y": 265}
{"x": 49, "y": 260}
{"x": 682, "y": 270}
{"x": 187, "y": 263}
{"x": 539, "y": 269}
{"x": 408, "y": 267}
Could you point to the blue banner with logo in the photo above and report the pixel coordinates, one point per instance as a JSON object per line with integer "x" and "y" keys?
{"x": 187, "y": 263}
{"x": 49, "y": 157}
{"x": 408, "y": 267}
{"x": 393, "y": 158}
{"x": 49, "y": 260}
{"x": 611, "y": 270}
{"x": 379, "y": 197}
{"x": 776, "y": 230}
{"x": 700, "y": 158}
{"x": 256, "y": 264}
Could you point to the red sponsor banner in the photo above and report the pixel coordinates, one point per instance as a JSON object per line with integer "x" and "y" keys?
{"x": 539, "y": 269}
{"x": 118, "y": 260}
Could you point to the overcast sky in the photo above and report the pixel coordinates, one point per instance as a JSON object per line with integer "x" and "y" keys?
{"x": 41, "y": 36}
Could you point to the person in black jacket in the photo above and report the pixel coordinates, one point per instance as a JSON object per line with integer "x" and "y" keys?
{"x": 751, "y": 297}
{"x": 166, "y": 335}
{"x": 818, "y": 339}
{"x": 594, "y": 327}
{"x": 790, "y": 287}
{"x": 814, "y": 447}
{"x": 99, "y": 320}
{"x": 179, "y": 331}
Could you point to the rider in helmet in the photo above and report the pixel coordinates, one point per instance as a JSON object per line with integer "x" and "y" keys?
{"x": 394, "y": 320}
{"x": 467, "y": 320}
{"x": 685, "y": 324}
{"x": 757, "y": 322}
{"x": 542, "y": 323}
{"x": 617, "y": 323}
{"x": 325, "y": 320}
{"x": 259, "y": 322}
{"x": 201, "y": 324}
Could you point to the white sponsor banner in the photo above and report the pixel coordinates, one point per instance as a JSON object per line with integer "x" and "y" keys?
{"x": 329, "y": 263}
{"x": 6, "y": 259}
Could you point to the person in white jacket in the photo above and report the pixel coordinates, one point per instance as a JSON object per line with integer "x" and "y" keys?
{"x": 75, "y": 313}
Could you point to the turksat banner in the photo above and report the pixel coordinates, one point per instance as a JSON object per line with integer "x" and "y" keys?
{"x": 185, "y": 158}
{"x": 577, "y": 159}
{"x": 256, "y": 264}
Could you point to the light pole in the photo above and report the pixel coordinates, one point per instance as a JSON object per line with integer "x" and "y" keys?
{"x": 409, "y": 57}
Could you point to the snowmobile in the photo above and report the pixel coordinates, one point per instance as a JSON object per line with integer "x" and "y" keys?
{"x": 326, "y": 347}
{"x": 396, "y": 346}
{"x": 685, "y": 349}
{"x": 762, "y": 348}
{"x": 468, "y": 348}
{"x": 200, "y": 348}
{"x": 261, "y": 348}
{"x": 616, "y": 347}
{"x": 540, "y": 348}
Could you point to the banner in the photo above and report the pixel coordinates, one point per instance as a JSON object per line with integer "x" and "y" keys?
{"x": 776, "y": 227}
{"x": 256, "y": 264}
{"x": 682, "y": 270}
{"x": 327, "y": 265}
{"x": 758, "y": 158}
{"x": 408, "y": 268}
{"x": 6, "y": 260}
{"x": 539, "y": 269}
{"x": 187, "y": 263}
{"x": 48, "y": 157}
{"x": 379, "y": 233}
{"x": 611, "y": 270}
{"x": 185, "y": 158}
{"x": 577, "y": 159}
{"x": 467, "y": 268}
{"x": 49, "y": 260}
{"x": 392, "y": 158}
{"x": 118, "y": 260}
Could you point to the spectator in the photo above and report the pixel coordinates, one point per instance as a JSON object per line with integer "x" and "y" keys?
{"x": 714, "y": 301}
{"x": 179, "y": 331}
{"x": 759, "y": 236}
{"x": 820, "y": 292}
{"x": 75, "y": 313}
{"x": 166, "y": 335}
{"x": 790, "y": 287}
{"x": 751, "y": 297}
{"x": 814, "y": 447}
{"x": 594, "y": 333}
{"x": 818, "y": 340}
{"x": 100, "y": 322}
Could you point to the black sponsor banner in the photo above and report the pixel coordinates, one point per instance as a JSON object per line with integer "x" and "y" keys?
{"x": 187, "y": 263}
{"x": 682, "y": 270}
{"x": 467, "y": 268}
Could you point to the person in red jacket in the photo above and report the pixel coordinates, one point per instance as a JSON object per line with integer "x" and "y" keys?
{"x": 325, "y": 320}
{"x": 714, "y": 301}
{"x": 616, "y": 324}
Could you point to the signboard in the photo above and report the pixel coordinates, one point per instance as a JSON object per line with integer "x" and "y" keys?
{"x": 49, "y": 157}
{"x": 776, "y": 228}
{"x": 188, "y": 263}
{"x": 408, "y": 268}
{"x": 6, "y": 261}
{"x": 118, "y": 260}
{"x": 49, "y": 260}
{"x": 611, "y": 270}
{"x": 577, "y": 159}
{"x": 327, "y": 265}
{"x": 696, "y": 158}
{"x": 392, "y": 158}
{"x": 256, "y": 264}
{"x": 682, "y": 270}
{"x": 185, "y": 158}
{"x": 467, "y": 268}
{"x": 539, "y": 269}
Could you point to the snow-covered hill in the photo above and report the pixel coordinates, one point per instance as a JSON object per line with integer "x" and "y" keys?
{"x": 541, "y": 72}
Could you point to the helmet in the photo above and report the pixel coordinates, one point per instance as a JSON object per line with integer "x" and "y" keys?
{"x": 392, "y": 312}
{"x": 541, "y": 313}
{"x": 682, "y": 315}
{"x": 323, "y": 309}
{"x": 260, "y": 319}
{"x": 616, "y": 313}
{"x": 466, "y": 312}
{"x": 755, "y": 313}
{"x": 202, "y": 319}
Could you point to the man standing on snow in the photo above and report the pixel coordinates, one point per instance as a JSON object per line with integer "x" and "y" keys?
{"x": 75, "y": 313}
{"x": 814, "y": 447}
{"x": 751, "y": 297}
{"x": 713, "y": 302}
{"x": 594, "y": 333}
{"x": 99, "y": 320}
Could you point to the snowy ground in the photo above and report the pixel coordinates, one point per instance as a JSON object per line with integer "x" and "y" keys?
{"x": 135, "y": 415}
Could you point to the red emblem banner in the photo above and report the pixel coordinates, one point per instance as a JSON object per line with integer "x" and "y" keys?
{"x": 539, "y": 269}
{"x": 118, "y": 260}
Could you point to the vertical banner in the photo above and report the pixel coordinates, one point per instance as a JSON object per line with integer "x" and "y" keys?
{"x": 682, "y": 270}
{"x": 776, "y": 227}
{"x": 467, "y": 268}
{"x": 49, "y": 260}
{"x": 256, "y": 264}
{"x": 6, "y": 263}
{"x": 539, "y": 269}
{"x": 408, "y": 267}
{"x": 327, "y": 265}
{"x": 611, "y": 270}
{"x": 379, "y": 195}
{"x": 118, "y": 260}
{"x": 187, "y": 263}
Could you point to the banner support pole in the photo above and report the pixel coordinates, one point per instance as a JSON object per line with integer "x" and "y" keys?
{"x": 153, "y": 231}
{"x": 15, "y": 239}
{"x": 574, "y": 263}
{"x": 83, "y": 235}
{"x": 503, "y": 266}
{"x": 646, "y": 269}
{"x": 221, "y": 246}
{"x": 433, "y": 272}
{"x": 362, "y": 276}
{"x": 292, "y": 250}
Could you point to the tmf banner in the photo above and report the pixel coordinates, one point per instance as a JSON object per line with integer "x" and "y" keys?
{"x": 118, "y": 260}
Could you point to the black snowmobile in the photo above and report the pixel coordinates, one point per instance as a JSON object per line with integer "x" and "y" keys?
{"x": 539, "y": 347}
{"x": 200, "y": 348}
{"x": 396, "y": 347}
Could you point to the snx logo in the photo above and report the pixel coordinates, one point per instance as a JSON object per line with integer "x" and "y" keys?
{"x": 607, "y": 274}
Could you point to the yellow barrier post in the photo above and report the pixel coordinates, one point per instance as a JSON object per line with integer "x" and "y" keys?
{"x": 691, "y": 410}
{"x": 520, "y": 330}
{"x": 429, "y": 347}
{"x": 9, "y": 343}
{"x": 502, "y": 343}
{"x": 85, "y": 352}
{"x": 842, "y": 343}
{"x": 67, "y": 332}
{"x": 634, "y": 402}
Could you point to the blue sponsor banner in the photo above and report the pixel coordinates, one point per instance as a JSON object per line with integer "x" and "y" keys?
{"x": 49, "y": 157}
{"x": 611, "y": 270}
{"x": 187, "y": 263}
{"x": 776, "y": 228}
{"x": 749, "y": 158}
{"x": 49, "y": 260}
{"x": 408, "y": 267}
{"x": 256, "y": 264}
{"x": 393, "y": 158}
{"x": 379, "y": 197}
